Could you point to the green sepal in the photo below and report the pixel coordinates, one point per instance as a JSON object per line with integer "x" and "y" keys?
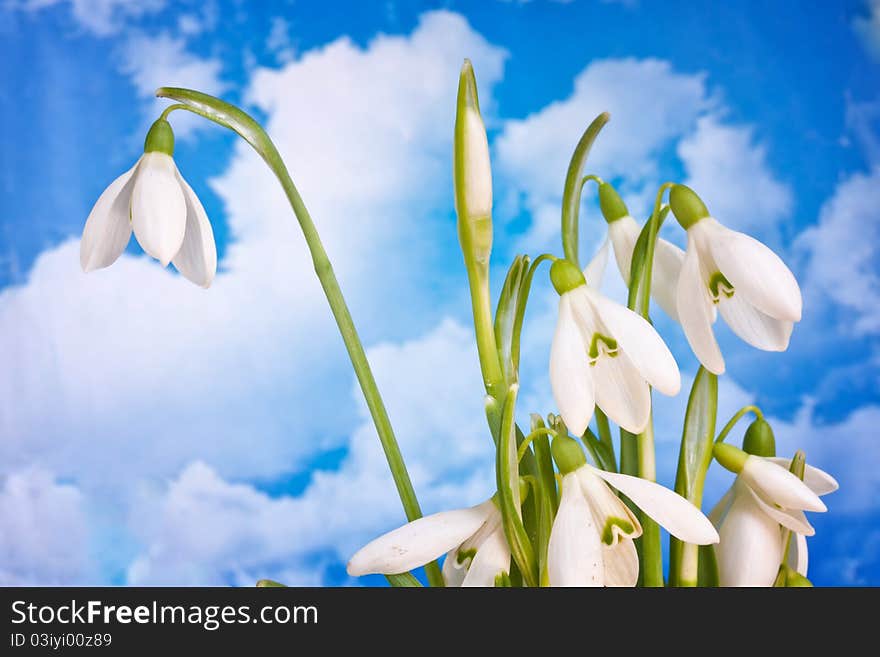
{"x": 566, "y": 277}
{"x": 160, "y": 138}
{"x": 687, "y": 207}
{"x": 759, "y": 439}
{"x": 612, "y": 206}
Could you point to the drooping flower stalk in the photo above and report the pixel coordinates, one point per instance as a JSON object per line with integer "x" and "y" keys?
{"x": 240, "y": 122}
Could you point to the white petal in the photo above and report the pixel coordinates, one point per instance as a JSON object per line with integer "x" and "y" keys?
{"x": 776, "y": 485}
{"x": 751, "y": 546}
{"x": 668, "y": 260}
{"x": 757, "y": 273}
{"x": 622, "y": 392}
{"x": 624, "y": 233}
{"x": 640, "y": 342}
{"x": 454, "y": 572}
{"x": 757, "y": 328}
{"x": 694, "y": 305}
{"x": 570, "y": 376}
{"x": 574, "y": 553}
{"x": 108, "y": 227}
{"x": 680, "y": 518}
{"x": 719, "y": 511}
{"x": 615, "y": 520}
{"x": 493, "y": 558}
{"x": 158, "y": 208}
{"x": 793, "y": 519}
{"x": 197, "y": 258}
{"x": 818, "y": 481}
{"x": 418, "y": 542}
{"x": 621, "y": 564}
{"x": 595, "y": 271}
{"x": 797, "y": 554}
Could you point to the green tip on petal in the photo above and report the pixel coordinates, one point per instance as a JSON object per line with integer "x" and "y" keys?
{"x": 567, "y": 454}
{"x": 686, "y": 206}
{"x": 730, "y": 457}
{"x": 612, "y": 206}
{"x": 759, "y": 439}
{"x": 160, "y": 138}
{"x": 566, "y": 277}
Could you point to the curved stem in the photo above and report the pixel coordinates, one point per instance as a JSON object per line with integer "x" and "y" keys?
{"x": 736, "y": 418}
{"x": 235, "y": 119}
{"x": 521, "y": 452}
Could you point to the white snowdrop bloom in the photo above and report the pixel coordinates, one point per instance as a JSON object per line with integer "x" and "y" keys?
{"x": 604, "y": 354}
{"x": 473, "y": 539}
{"x": 736, "y": 275}
{"x": 591, "y": 542}
{"x": 765, "y": 498}
{"x": 153, "y": 200}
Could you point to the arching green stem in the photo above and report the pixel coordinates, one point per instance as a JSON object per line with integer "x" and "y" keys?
{"x": 736, "y": 418}
{"x": 248, "y": 129}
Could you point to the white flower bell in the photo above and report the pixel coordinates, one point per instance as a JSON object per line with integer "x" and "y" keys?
{"x": 734, "y": 274}
{"x": 154, "y": 201}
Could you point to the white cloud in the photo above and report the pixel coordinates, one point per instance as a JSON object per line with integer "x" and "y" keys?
{"x": 132, "y": 372}
{"x": 204, "y": 530}
{"x": 731, "y": 174}
{"x": 102, "y": 17}
{"x": 44, "y": 538}
{"x": 279, "y": 42}
{"x": 868, "y": 28}
{"x": 842, "y": 252}
{"x": 532, "y": 154}
{"x": 163, "y": 60}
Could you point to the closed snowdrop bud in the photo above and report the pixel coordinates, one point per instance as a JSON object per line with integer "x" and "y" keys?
{"x": 756, "y": 294}
{"x": 472, "y": 171}
{"x": 154, "y": 201}
{"x": 765, "y": 499}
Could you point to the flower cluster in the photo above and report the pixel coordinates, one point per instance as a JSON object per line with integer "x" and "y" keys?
{"x": 566, "y": 511}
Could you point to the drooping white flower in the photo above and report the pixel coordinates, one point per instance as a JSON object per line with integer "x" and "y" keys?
{"x": 591, "y": 542}
{"x": 154, "y": 201}
{"x": 729, "y": 272}
{"x": 764, "y": 499}
{"x": 473, "y": 540}
{"x": 623, "y": 232}
{"x": 604, "y": 354}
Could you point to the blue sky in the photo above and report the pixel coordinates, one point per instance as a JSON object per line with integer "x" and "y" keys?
{"x": 152, "y": 432}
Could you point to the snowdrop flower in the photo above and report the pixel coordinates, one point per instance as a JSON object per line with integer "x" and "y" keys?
{"x": 764, "y": 499}
{"x": 605, "y": 354}
{"x": 756, "y": 294}
{"x": 154, "y": 200}
{"x": 473, "y": 538}
{"x": 591, "y": 542}
{"x": 623, "y": 231}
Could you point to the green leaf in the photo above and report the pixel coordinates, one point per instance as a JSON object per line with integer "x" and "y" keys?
{"x": 505, "y": 316}
{"x": 507, "y": 479}
{"x": 571, "y": 195}
{"x": 270, "y": 584}
{"x": 695, "y": 456}
{"x": 403, "y": 580}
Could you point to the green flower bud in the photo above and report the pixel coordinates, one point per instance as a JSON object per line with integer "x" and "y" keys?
{"x": 567, "y": 454}
{"x": 160, "y": 138}
{"x": 759, "y": 439}
{"x": 686, "y": 206}
{"x": 565, "y": 276}
{"x": 613, "y": 207}
{"x": 730, "y": 457}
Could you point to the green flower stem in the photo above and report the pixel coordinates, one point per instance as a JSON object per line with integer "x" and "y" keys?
{"x": 605, "y": 433}
{"x": 403, "y": 580}
{"x": 571, "y": 195}
{"x": 736, "y": 418}
{"x": 235, "y": 119}
{"x": 521, "y": 452}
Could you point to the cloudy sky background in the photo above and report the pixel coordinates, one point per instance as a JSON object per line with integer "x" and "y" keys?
{"x": 155, "y": 433}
